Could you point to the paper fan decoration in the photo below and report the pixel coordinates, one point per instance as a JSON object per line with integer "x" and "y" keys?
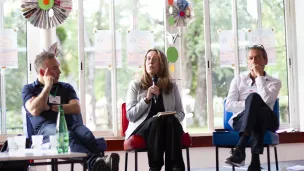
{"x": 178, "y": 13}
{"x": 46, "y": 13}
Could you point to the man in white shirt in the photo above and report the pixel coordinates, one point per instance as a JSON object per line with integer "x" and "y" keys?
{"x": 251, "y": 98}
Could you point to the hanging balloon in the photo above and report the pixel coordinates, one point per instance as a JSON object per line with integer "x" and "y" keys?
{"x": 46, "y": 13}
{"x": 170, "y": 2}
{"x": 171, "y": 68}
{"x": 172, "y": 54}
{"x": 171, "y": 20}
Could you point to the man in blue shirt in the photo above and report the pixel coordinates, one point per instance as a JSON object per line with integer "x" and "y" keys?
{"x": 41, "y": 100}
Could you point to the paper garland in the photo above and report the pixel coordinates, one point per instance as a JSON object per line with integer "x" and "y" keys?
{"x": 46, "y": 13}
{"x": 178, "y": 13}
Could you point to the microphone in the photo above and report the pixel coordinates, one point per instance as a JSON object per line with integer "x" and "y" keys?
{"x": 154, "y": 80}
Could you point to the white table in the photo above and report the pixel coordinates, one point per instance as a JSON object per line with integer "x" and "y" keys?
{"x": 68, "y": 158}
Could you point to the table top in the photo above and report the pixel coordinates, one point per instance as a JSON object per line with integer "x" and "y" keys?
{"x": 29, "y": 154}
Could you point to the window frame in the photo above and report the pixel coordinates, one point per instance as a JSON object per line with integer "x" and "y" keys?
{"x": 291, "y": 58}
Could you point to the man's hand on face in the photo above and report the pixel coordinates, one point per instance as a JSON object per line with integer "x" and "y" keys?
{"x": 257, "y": 69}
{"x": 48, "y": 79}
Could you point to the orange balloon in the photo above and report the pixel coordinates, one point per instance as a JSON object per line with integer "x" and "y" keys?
{"x": 46, "y": 2}
{"x": 170, "y": 2}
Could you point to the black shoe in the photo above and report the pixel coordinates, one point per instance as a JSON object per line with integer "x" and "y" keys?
{"x": 112, "y": 161}
{"x": 100, "y": 165}
{"x": 154, "y": 169}
{"x": 177, "y": 169}
{"x": 237, "y": 159}
{"x": 254, "y": 168}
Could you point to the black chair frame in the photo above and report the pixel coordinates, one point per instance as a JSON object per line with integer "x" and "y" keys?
{"x": 144, "y": 150}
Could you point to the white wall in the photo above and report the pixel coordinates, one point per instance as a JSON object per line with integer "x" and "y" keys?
{"x": 299, "y": 6}
{"x": 204, "y": 157}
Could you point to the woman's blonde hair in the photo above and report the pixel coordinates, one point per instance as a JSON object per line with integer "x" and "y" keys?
{"x": 164, "y": 78}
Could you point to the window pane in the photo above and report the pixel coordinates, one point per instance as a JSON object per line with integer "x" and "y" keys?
{"x": 14, "y": 19}
{"x": 151, "y": 17}
{"x": 193, "y": 91}
{"x": 220, "y": 20}
{"x": 124, "y": 23}
{"x": 273, "y": 17}
{"x": 247, "y": 20}
{"x": 67, "y": 37}
{"x": 98, "y": 78}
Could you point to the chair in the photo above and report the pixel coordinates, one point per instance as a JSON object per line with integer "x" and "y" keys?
{"x": 29, "y": 131}
{"x": 137, "y": 143}
{"x": 229, "y": 138}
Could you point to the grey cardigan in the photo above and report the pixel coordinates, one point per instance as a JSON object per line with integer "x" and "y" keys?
{"x": 138, "y": 110}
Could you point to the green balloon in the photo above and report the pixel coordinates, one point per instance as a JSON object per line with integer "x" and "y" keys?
{"x": 171, "y": 21}
{"x": 45, "y": 4}
{"x": 172, "y": 54}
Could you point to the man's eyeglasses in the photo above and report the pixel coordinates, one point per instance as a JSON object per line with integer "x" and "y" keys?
{"x": 258, "y": 46}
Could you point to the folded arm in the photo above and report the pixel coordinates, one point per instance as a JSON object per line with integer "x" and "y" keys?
{"x": 232, "y": 103}
{"x": 36, "y": 105}
{"x": 73, "y": 107}
{"x": 270, "y": 92}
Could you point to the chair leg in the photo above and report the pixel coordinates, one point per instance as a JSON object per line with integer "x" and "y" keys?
{"x": 136, "y": 160}
{"x": 72, "y": 166}
{"x": 216, "y": 158}
{"x": 276, "y": 158}
{"x": 126, "y": 162}
{"x": 54, "y": 164}
{"x": 188, "y": 159}
{"x": 268, "y": 158}
{"x": 233, "y": 168}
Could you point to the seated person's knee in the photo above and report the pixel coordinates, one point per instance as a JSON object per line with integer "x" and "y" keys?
{"x": 253, "y": 96}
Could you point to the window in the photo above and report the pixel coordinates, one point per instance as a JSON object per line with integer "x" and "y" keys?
{"x": 13, "y": 19}
{"x": 67, "y": 38}
{"x": 102, "y": 91}
{"x": 193, "y": 90}
{"x": 106, "y": 85}
{"x": 99, "y": 87}
{"x": 220, "y": 20}
{"x": 273, "y": 17}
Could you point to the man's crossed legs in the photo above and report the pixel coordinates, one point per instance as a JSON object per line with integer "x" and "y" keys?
{"x": 253, "y": 122}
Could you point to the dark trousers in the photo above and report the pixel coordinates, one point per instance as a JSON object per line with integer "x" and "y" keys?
{"x": 162, "y": 135}
{"x": 81, "y": 140}
{"x": 255, "y": 120}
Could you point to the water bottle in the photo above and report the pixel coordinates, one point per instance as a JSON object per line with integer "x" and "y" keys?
{"x": 62, "y": 132}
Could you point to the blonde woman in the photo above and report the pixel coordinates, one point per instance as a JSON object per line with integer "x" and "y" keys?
{"x": 156, "y": 92}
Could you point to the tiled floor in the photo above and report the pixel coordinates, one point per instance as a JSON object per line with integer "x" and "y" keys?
{"x": 282, "y": 166}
